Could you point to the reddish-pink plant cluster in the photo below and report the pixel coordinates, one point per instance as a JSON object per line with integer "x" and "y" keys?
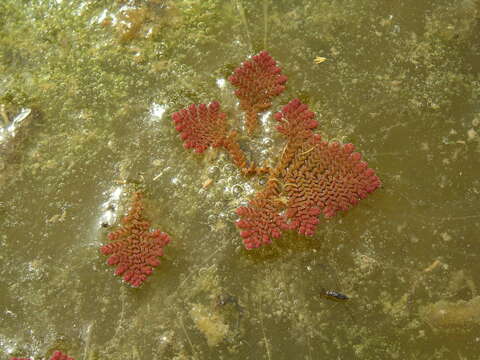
{"x": 260, "y": 223}
{"x": 312, "y": 176}
{"x": 257, "y": 82}
{"x": 57, "y": 355}
{"x": 329, "y": 177}
{"x": 296, "y": 121}
{"x": 135, "y": 249}
{"x": 201, "y": 126}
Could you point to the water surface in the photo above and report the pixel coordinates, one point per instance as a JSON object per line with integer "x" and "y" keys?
{"x": 401, "y": 82}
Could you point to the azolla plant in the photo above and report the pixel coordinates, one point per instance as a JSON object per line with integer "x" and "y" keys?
{"x": 135, "y": 249}
{"x": 313, "y": 177}
{"x": 57, "y": 355}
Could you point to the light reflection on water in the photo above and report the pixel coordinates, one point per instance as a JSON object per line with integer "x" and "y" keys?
{"x": 108, "y": 214}
{"x": 9, "y": 130}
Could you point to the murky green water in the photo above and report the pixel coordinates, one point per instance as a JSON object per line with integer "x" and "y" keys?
{"x": 101, "y": 78}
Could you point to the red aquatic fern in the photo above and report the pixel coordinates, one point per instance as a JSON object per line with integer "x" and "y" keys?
{"x": 201, "y": 126}
{"x": 260, "y": 222}
{"x": 135, "y": 250}
{"x": 312, "y": 177}
{"x": 324, "y": 178}
{"x": 57, "y": 355}
{"x": 296, "y": 121}
{"x": 239, "y": 158}
{"x": 257, "y": 82}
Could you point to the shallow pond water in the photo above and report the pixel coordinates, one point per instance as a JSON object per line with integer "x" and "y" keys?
{"x": 101, "y": 80}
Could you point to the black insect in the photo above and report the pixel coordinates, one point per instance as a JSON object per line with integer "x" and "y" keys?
{"x": 334, "y": 295}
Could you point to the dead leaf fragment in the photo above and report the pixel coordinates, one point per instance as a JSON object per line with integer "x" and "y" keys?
{"x": 207, "y": 183}
{"x": 319, "y": 60}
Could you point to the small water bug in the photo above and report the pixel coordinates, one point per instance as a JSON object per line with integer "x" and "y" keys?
{"x": 334, "y": 295}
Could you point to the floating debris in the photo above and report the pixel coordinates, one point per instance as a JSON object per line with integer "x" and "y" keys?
{"x": 445, "y": 314}
{"x": 319, "y": 60}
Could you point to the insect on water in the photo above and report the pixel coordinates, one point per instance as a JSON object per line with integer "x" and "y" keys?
{"x": 334, "y": 295}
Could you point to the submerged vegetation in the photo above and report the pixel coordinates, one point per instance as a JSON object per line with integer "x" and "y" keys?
{"x": 101, "y": 78}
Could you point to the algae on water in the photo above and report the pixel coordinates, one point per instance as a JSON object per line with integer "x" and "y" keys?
{"x": 459, "y": 314}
